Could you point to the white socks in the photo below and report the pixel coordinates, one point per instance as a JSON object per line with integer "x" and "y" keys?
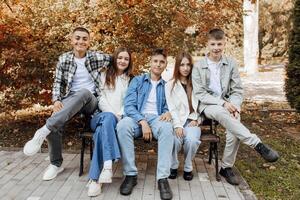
{"x": 44, "y": 131}
{"x": 107, "y": 164}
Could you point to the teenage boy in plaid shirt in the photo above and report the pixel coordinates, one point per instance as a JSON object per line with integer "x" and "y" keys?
{"x": 76, "y": 86}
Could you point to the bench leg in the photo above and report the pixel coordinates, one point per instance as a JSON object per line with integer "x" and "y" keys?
{"x": 91, "y": 149}
{"x": 217, "y": 161}
{"x": 210, "y": 152}
{"x": 82, "y": 156}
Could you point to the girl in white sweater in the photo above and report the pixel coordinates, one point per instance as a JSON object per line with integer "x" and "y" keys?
{"x": 183, "y": 105}
{"x": 114, "y": 83}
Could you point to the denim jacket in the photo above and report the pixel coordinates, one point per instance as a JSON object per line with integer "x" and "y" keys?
{"x": 138, "y": 93}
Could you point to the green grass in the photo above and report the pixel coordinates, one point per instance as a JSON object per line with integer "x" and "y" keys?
{"x": 269, "y": 183}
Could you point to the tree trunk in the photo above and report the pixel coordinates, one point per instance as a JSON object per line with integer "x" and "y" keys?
{"x": 251, "y": 36}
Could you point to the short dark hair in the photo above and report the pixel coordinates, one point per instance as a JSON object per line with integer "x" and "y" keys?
{"x": 81, "y": 29}
{"x": 216, "y": 33}
{"x": 159, "y": 51}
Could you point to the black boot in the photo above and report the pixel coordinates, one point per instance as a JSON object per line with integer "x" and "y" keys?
{"x": 188, "y": 176}
{"x": 128, "y": 185}
{"x": 266, "y": 152}
{"x": 230, "y": 177}
{"x": 164, "y": 189}
{"x": 173, "y": 173}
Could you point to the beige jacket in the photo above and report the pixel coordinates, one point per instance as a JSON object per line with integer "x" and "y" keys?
{"x": 178, "y": 105}
{"x": 232, "y": 90}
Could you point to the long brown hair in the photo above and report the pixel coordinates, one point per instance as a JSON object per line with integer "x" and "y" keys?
{"x": 176, "y": 75}
{"x": 112, "y": 72}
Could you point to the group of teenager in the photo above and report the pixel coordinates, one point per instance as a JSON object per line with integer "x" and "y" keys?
{"x": 124, "y": 107}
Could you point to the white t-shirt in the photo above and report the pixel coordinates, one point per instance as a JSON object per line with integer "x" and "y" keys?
{"x": 82, "y": 78}
{"x": 215, "y": 82}
{"x": 151, "y": 103}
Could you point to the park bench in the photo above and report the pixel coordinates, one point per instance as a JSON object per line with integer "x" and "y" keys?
{"x": 208, "y": 134}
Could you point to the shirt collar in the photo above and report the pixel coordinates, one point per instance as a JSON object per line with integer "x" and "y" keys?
{"x": 222, "y": 61}
{"x": 148, "y": 78}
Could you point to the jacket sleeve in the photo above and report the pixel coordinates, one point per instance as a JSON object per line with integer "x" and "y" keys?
{"x": 58, "y": 81}
{"x": 103, "y": 60}
{"x": 235, "y": 87}
{"x": 172, "y": 106}
{"x": 130, "y": 101}
{"x": 200, "y": 90}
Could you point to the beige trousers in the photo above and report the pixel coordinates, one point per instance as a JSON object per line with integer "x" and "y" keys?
{"x": 235, "y": 132}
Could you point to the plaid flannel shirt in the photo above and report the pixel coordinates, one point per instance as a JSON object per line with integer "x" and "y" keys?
{"x": 66, "y": 68}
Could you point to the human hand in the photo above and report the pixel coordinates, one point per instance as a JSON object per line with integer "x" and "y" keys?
{"x": 146, "y": 130}
{"x": 119, "y": 117}
{"x": 193, "y": 123}
{"x": 179, "y": 132}
{"x": 57, "y": 106}
{"x": 232, "y": 109}
{"x": 166, "y": 117}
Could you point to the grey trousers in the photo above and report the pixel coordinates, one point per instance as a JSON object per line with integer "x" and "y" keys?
{"x": 235, "y": 132}
{"x": 82, "y": 101}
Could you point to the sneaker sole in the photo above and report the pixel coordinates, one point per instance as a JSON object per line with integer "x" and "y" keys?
{"x": 94, "y": 194}
{"x": 49, "y": 179}
{"x": 104, "y": 180}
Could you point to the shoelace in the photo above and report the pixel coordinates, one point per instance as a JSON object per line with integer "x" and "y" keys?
{"x": 40, "y": 139}
{"x": 128, "y": 180}
{"x": 165, "y": 185}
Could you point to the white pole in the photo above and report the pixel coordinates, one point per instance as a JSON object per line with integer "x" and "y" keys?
{"x": 251, "y": 36}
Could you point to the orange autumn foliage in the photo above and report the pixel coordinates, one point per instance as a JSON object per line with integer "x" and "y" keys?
{"x": 34, "y": 33}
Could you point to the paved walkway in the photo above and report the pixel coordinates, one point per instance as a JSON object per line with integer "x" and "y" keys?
{"x": 20, "y": 178}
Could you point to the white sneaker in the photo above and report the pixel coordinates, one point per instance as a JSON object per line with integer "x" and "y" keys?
{"x": 51, "y": 172}
{"x": 94, "y": 188}
{"x": 34, "y": 145}
{"x": 105, "y": 176}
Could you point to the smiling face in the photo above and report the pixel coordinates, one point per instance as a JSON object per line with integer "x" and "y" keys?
{"x": 158, "y": 64}
{"x": 185, "y": 67}
{"x": 80, "y": 41}
{"x": 123, "y": 60}
{"x": 215, "y": 48}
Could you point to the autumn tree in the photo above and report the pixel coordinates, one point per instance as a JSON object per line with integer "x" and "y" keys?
{"x": 33, "y": 33}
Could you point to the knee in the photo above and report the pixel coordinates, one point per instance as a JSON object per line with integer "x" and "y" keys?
{"x": 231, "y": 140}
{"x": 109, "y": 117}
{"x": 192, "y": 140}
{"x": 222, "y": 114}
{"x": 124, "y": 126}
{"x": 84, "y": 93}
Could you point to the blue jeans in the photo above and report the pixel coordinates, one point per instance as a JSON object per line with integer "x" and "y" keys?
{"x": 190, "y": 143}
{"x": 128, "y": 129}
{"x": 105, "y": 142}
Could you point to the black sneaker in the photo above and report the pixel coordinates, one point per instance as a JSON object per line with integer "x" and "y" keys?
{"x": 266, "y": 152}
{"x": 230, "y": 177}
{"x": 164, "y": 189}
{"x": 128, "y": 185}
{"x": 173, "y": 173}
{"x": 188, "y": 176}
